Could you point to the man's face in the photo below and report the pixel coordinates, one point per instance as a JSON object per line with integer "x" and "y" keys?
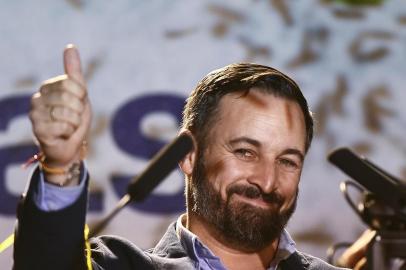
{"x": 245, "y": 181}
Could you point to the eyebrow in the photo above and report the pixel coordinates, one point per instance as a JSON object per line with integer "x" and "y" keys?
{"x": 246, "y": 140}
{"x": 289, "y": 151}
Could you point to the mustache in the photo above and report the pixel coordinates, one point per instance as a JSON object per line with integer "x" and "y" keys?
{"x": 254, "y": 192}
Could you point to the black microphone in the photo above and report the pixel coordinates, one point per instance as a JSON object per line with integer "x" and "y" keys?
{"x": 385, "y": 186}
{"x": 159, "y": 167}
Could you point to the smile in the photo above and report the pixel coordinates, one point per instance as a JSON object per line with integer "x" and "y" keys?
{"x": 258, "y": 202}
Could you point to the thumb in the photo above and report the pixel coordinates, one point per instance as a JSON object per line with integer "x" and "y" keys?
{"x": 71, "y": 63}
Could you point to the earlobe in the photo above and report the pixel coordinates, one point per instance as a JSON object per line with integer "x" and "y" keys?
{"x": 187, "y": 163}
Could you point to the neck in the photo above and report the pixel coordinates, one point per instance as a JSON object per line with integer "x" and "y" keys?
{"x": 233, "y": 257}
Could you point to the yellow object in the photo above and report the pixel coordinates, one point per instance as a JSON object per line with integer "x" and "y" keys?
{"x": 88, "y": 250}
{"x": 6, "y": 243}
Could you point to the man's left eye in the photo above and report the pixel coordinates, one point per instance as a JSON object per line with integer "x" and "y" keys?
{"x": 288, "y": 164}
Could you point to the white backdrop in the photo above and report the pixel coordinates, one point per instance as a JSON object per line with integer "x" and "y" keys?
{"x": 142, "y": 58}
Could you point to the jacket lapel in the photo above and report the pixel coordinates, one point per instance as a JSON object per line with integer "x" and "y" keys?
{"x": 294, "y": 262}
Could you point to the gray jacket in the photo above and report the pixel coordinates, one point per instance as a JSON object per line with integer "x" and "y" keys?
{"x": 169, "y": 254}
{"x": 54, "y": 240}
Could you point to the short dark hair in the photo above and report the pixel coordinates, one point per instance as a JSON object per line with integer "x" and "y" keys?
{"x": 202, "y": 104}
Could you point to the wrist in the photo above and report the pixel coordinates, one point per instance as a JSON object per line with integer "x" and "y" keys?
{"x": 61, "y": 175}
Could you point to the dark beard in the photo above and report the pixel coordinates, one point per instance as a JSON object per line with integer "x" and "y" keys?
{"x": 240, "y": 224}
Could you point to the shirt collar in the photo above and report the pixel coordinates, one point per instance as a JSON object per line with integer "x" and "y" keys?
{"x": 286, "y": 247}
{"x": 201, "y": 254}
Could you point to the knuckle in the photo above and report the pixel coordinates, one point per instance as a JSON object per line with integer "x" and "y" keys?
{"x": 44, "y": 88}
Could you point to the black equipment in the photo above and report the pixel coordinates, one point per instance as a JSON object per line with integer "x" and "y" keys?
{"x": 383, "y": 208}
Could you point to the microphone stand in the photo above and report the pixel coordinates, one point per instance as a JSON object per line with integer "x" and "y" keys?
{"x": 142, "y": 185}
{"x": 106, "y": 220}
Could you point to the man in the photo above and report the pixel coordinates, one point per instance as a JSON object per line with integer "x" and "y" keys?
{"x": 251, "y": 129}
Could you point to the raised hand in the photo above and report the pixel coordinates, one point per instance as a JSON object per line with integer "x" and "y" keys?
{"x": 61, "y": 115}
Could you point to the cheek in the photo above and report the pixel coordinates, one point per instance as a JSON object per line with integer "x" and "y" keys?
{"x": 222, "y": 173}
{"x": 289, "y": 185}
{"x": 291, "y": 194}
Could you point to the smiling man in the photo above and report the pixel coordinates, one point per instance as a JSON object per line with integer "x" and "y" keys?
{"x": 251, "y": 128}
{"x": 244, "y": 184}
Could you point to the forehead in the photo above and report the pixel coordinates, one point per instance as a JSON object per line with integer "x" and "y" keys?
{"x": 261, "y": 116}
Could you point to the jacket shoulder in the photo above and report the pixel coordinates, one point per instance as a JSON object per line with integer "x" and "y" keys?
{"x": 114, "y": 252}
{"x": 315, "y": 263}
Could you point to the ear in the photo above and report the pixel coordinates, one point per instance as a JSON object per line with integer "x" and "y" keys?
{"x": 188, "y": 162}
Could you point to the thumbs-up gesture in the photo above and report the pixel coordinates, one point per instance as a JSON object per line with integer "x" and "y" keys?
{"x": 60, "y": 116}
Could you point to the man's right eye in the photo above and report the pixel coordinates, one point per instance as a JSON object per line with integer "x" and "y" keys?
{"x": 244, "y": 154}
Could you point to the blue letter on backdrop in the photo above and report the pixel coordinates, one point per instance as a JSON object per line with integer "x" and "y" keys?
{"x": 127, "y": 134}
{"x": 10, "y": 108}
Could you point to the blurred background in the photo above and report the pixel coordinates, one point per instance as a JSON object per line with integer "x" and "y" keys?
{"x": 141, "y": 60}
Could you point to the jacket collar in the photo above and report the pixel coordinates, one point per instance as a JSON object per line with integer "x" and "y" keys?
{"x": 296, "y": 261}
{"x": 169, "y": 246}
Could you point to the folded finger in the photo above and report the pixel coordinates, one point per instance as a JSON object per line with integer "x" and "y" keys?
{"x": 64, "y": 114}
{"x": 63, "y": 99}
{"x": 63, "y": 83}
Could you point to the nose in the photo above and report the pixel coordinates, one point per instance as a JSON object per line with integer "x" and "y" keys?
{"x": 265, "y": 177}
